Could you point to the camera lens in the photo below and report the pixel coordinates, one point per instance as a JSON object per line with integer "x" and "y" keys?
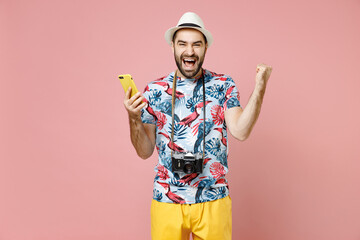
{"x": 188, "y": 168}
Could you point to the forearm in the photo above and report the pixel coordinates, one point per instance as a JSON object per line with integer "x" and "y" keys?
{"x": 140, "y": 139}
{"x": 241, "y": 121}
{"x": 142, "y": 135}
{"x": 247, "y": 119}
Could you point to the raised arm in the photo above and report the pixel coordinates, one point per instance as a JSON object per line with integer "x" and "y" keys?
{"x": 241, "y": 121}
{"x": 142, "y": 135}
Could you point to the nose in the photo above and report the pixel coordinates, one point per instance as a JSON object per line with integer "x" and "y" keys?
{"x": 189, "y": 50}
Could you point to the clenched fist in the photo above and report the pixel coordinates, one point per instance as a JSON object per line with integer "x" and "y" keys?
{"x": 263, "y": 73}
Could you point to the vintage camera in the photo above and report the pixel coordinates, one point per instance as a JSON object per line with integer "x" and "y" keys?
{"x": 187, "y": 162}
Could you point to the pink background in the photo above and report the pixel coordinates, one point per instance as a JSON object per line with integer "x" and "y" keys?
{"x": 68, "y": 169}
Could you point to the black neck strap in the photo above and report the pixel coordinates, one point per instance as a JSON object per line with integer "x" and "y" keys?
{"x": 173, "y": 111}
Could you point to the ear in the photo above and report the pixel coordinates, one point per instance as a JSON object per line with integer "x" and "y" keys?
{"x": 173, "y": 46}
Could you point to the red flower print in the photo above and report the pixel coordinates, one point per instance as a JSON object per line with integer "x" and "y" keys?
{"x": 217, "y": 113}
{"x": 161, "y": 120}
{"x": 217, "y": 170}
{"x": 162, "y": 172}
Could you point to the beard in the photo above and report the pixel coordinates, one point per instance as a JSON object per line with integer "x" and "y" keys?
{"x": 197, "y": 66}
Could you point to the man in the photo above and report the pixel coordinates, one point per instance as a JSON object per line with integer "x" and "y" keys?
{"x": 186, "y": 115}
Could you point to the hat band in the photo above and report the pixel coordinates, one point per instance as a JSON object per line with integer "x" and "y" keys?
{"x": 189, "y": 25}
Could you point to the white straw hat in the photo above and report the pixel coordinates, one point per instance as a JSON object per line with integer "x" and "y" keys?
{"x": 189, "y": 20}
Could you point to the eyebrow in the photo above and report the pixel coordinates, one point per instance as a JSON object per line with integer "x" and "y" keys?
{"x": 182, "y": 41}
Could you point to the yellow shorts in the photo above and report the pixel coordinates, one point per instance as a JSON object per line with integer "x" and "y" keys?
{"x": 206, "y": 221}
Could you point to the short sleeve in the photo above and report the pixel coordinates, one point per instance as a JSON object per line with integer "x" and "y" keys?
{"x": 232, "y": 96}
{"x": 147, "y": 113}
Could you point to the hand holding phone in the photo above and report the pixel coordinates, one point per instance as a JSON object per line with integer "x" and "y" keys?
{"x": 133, "y": 106}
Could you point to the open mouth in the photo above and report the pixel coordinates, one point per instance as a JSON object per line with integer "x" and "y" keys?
{"x": 189, "y": 62}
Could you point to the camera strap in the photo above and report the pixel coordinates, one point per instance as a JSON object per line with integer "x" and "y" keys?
{"x": 173, "y": 111}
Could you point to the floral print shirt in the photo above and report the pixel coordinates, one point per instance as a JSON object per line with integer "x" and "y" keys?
{"x": 220, "y": 94}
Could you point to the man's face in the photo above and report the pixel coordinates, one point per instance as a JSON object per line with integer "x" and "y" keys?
{"x": 189, "y": 49}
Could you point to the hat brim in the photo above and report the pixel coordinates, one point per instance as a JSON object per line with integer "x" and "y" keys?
{"x": 171, "y": 31}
